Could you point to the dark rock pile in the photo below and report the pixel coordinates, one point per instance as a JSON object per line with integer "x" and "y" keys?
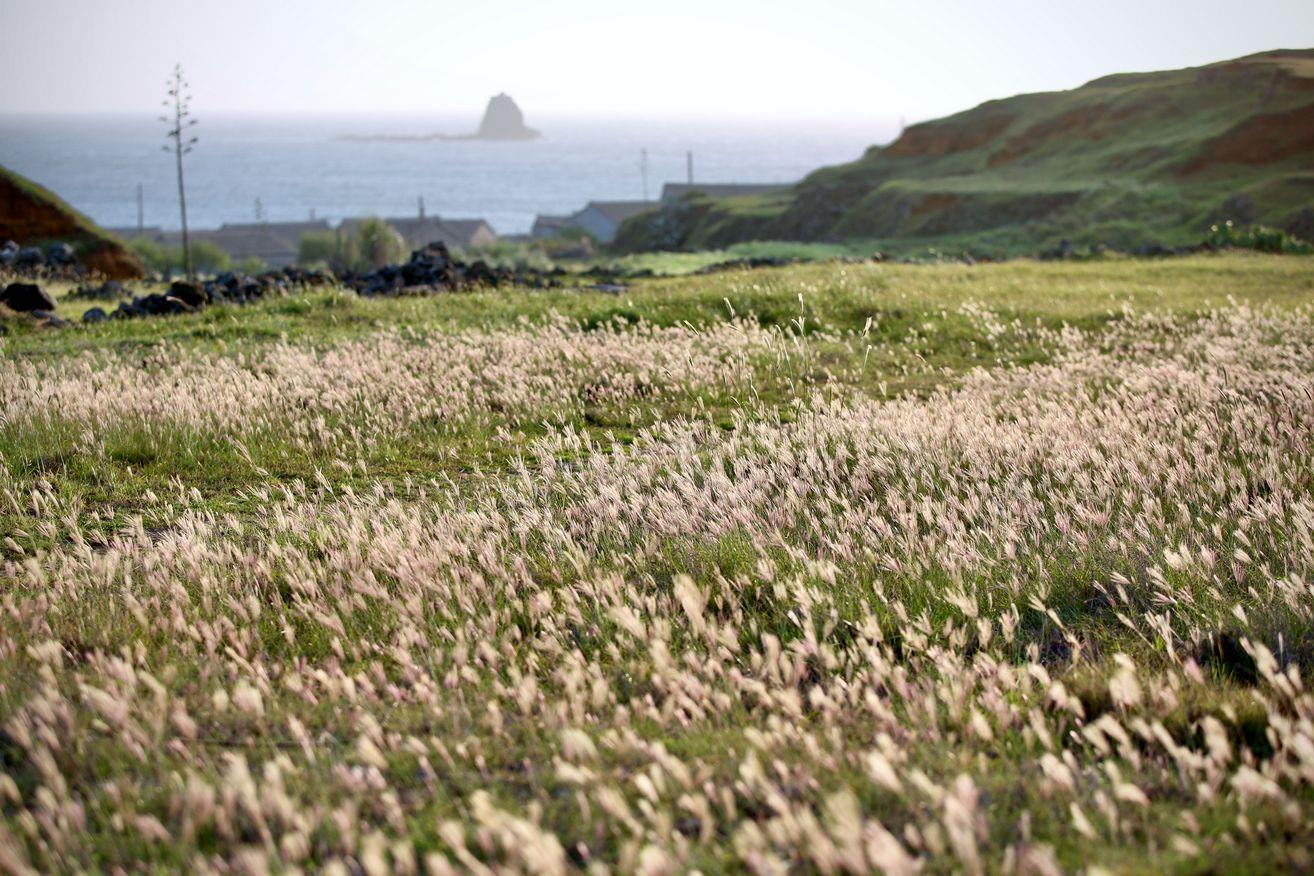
{"x": 110, "y": 290}
{"x": 27, "y": 298}
{"x": 56, "y": 260}
{"x": 433, "y": 269}
{"x": 229, "y": 287}
{"x": 744, "y": 264}
{"x": 32, "y": 300}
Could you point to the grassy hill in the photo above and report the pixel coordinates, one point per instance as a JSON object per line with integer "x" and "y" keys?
{"x": 1126, "y": 160}
{"x": 34, "y": 216}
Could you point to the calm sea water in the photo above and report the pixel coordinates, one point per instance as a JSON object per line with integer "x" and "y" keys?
{"x": 295, "y": 165}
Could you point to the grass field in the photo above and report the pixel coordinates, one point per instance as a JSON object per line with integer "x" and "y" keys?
{"x": 830, "y": 568}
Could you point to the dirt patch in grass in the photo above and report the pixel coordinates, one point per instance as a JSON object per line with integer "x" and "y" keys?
{"x": 937, "y": 139}
{"x": 1263, "y": 139}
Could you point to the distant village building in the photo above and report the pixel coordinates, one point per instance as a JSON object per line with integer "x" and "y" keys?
{"x": 278, "y": 244}
{"x": 603, "y": 219}
{"x": 672, "y": 192}
{"x": 546, "y": 225}
{"x": 274, "y": 243}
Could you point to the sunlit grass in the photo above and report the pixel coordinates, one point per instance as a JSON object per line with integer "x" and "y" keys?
{"x": 833, "y": 568}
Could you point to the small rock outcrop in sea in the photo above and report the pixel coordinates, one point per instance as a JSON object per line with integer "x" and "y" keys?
{"x": 503, "y": 120}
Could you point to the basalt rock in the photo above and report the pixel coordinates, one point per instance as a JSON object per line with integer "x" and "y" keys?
{"x": 27, "y": 297}
{"x": 434, "y": 269}
{"x": 110, "y": 290}
{"x": 189, "y": 293}
{"x": 230, "y": 287}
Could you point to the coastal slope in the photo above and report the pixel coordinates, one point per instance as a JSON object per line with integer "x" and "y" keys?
{"x": 1127, "y": 160}
{"x": 32, "y": 215}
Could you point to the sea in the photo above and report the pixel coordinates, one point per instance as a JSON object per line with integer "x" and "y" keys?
{"x": 292, "y": 167}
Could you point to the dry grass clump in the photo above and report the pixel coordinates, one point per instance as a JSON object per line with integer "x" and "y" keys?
{"x": 361, "y": 391}
{"x": 1054, "y": 617}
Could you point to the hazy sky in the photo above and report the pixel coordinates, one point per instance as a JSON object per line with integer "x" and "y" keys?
{"x": 864, "y": 59}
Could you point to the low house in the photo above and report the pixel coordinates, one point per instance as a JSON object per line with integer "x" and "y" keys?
{"x": 420, "y": 231}
{"x": 275, "y": 244}
{"x": 471, "y": 232}
{"x": 546, "y": 225}
{"x": 603, "y": 219}
{"x": 672, "y": 192}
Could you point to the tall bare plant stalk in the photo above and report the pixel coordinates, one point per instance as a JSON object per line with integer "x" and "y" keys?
{"x": 179, "y": 100}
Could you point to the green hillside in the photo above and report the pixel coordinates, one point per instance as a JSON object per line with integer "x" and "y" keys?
{"x": 1126, "y": 160}
{"x": 32, "y": 215}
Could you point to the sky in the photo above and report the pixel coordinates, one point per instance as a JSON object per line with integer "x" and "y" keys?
{"x": 762, "y": 59}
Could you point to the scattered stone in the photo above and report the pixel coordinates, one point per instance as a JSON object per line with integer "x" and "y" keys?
{"x": 189, "y": 294}
{"x": 27, "y": 297}
{"x": 1301, "y": 224}
{"x": 110, "y": 290}
{"x": 433, "y": 269}
{"x": 129, "y": 310}
{"x": 29, "y": 258}
{"x": 59, "y": 254}
{"x": 95, "y": 314}
{"x": 57, "y": 261}
{"x": 745, "y": 264}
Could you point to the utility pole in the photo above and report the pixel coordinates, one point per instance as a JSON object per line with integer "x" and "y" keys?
{"x": 259, "y": 211}
{"x": 181, "y": 100}
{"x": 643, "y": 171}
{"x": 141, "y": 213}
{"x": 688, "y": 166}
{"x": 419, "y": 200}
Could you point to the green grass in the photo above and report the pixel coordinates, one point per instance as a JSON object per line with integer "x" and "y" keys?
{"x": 863, "y": 331}
{"x": 835, "y": 296}
{"x": 1123, "y": 161}
{"x": 906, "y": 337}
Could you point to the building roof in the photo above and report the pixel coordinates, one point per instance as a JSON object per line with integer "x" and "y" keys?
{"x": 619, "y": 211}
{"x": 468, "y": 228}
{"x": 294, "y": 229}
{"x": 547, "y": 225}
{"x": 273, "y": 246}
{"x": 676, "y": 191}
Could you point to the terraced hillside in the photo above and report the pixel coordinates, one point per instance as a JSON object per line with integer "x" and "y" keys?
{"x": 1126, "y": 160}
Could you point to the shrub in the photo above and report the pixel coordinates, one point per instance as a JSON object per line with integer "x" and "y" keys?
{"x": 207, "y": 257}
{"x": 378, "y": 244}
{"x": 320, "y": 248}
{"x": 1260, "y": 238}
{"x": 152, "y": 254}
